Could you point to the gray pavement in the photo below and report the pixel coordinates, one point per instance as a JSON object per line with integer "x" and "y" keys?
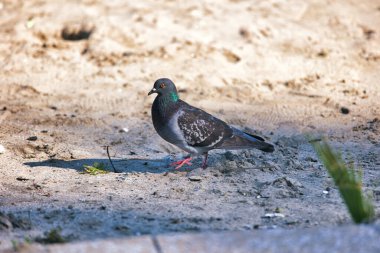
{"x": 351, "y": 238}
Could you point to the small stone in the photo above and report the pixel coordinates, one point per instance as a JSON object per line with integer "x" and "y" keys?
{"x": 195, "y": 178}
{"x": 22, "y": 179}
{"x": 243, "y": 32}
{"x": 247, "y": 227}
{"x": 32, "y": 138}
{"x": 322, "y": 53}
{"x": 291, "y": 222}
{"x": 2, "y": 149}
{"x": 230, "y": 56}
{"x": 77, "y": 31}
{"x": 311, "y": 159}
{"x": 30, "y": 23}
{"x": 123, "y": 229}
{"x": 344, "y": 110}
{"x": 272, "y": 215}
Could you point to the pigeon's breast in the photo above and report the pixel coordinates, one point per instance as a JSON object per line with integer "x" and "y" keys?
{"x": 168, "y": 129}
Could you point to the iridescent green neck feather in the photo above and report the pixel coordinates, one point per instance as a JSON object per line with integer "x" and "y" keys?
{"x": 167, "y": 100}
{"x": 174, "y": 96}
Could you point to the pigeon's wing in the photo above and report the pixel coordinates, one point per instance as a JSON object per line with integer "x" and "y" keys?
{"x": 201, "y": 129}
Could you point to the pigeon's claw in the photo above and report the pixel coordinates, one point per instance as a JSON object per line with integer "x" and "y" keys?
{"x": 180, "y": 163}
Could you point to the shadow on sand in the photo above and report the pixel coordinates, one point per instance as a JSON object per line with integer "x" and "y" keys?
{"x": 121, "y": 165}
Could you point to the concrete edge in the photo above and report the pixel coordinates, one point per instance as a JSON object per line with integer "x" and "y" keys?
{"x": 349, "y": 238}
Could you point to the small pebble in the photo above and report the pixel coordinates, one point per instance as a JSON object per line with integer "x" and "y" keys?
{"x": 77, "y": 31}
{"x": 30, "y": 23}
{"x": 311, "y": 159}
{"x": 195, "y": 178}
{"x": 2, "y": 149}
{"x": 271, "y": 215}
{"x": 32, "y": 138}
{"x": 344, "y": 110}
{"x": 22, "y": 179}
{"x": 247, "y": 227}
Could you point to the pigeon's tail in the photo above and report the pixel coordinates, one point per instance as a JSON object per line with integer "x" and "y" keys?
{"x": 243, "y": 140}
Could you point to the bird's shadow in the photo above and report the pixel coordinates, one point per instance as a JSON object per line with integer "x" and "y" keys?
{"x": 120, "y": 165}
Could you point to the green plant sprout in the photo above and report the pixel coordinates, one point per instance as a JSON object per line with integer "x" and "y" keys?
{"x": 348, "y": 181}
{"x": 95, "y": 169}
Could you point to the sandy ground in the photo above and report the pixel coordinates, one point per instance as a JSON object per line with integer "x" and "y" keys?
{"x": 279, "y": 69}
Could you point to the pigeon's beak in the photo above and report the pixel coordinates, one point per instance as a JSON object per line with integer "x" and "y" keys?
{"x": 152, "y": 91}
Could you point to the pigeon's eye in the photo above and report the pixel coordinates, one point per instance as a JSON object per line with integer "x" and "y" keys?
{"x": 162, "y": 85}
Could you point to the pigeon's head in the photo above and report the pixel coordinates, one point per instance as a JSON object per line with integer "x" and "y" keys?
{"x": 164, "y": 87}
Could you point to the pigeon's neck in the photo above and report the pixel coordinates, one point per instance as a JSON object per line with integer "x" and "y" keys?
{"x": 168, "y": 100}
{"x": 173, "y": 96}
{"x": 165, "y": 105}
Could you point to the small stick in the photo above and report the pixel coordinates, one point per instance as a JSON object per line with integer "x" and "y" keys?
{"x": 109, "y": 158}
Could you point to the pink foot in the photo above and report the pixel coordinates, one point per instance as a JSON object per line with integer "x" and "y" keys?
{"x": 180, "y": 163}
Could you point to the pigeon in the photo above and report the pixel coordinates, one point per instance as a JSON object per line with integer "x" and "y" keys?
{"x": 194, "y": 130}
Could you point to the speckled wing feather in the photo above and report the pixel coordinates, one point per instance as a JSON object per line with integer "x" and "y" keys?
{"x": 201, "y": 129}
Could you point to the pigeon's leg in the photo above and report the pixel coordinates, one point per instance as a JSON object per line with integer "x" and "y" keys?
{"x": 180, "y": 163}
{"x": 204, "y": 164}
